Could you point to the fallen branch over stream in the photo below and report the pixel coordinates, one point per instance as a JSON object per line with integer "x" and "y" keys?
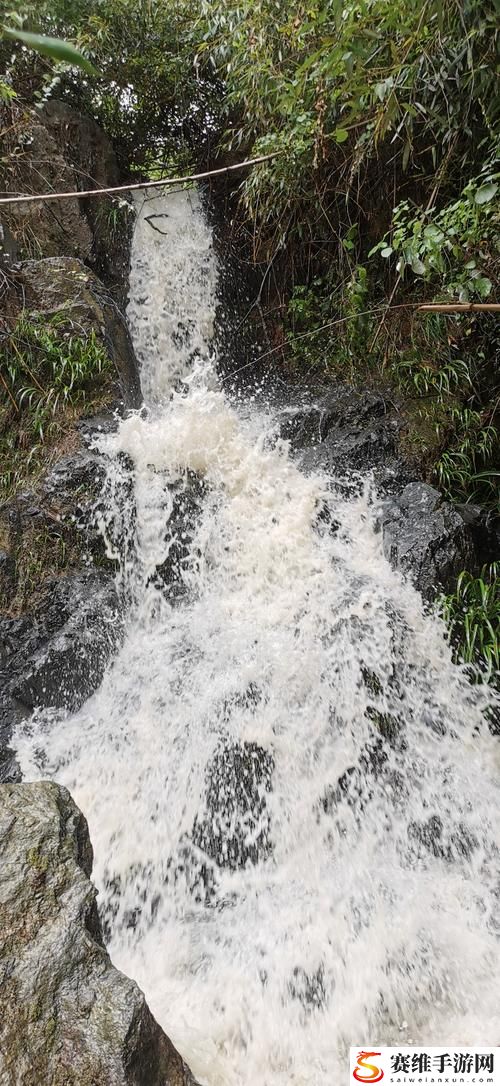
{"x": 459, "y": 307}
{"x": 78, "y": 195}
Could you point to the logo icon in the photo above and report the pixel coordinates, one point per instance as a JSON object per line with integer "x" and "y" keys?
{"x": 366, "y": 1071}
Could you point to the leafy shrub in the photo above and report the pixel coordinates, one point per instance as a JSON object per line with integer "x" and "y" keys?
{"x": 148, "y": 95}
{"x": 458, "y": 247}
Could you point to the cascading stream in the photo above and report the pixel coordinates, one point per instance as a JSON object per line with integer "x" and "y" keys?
{"x": 292, "y": 792}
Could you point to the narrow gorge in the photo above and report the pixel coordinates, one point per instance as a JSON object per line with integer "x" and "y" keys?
{"x": 249, "y": 543}
{"x": 291, "y": 790}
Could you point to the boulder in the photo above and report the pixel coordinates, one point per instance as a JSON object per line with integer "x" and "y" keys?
{"x": 54, "y": 148}
{"x": 39, "y": 165}
{"x": 80, "y": 470}
{"x": 348, "y": 433}
{"x": 427, "y": 538}
{"x": 186, "y": 498}
{"x": 90, "y": 155}
{"x": 67, "y": 1016}
{"x": 85, "y": 145}
{"x": 236, "y": 827}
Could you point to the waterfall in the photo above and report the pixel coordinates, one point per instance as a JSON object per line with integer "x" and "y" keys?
{"x": 292, "y": 792}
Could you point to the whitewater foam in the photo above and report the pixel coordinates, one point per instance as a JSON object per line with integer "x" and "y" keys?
{"x": 290, "y": 653}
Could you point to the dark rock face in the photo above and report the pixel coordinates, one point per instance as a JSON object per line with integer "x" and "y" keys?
{"x": 67, "y": 1016}
{"x": 187, "y": 500}
{"x": 57, "y": 149}
{"x": 83, "y": 621}
{"x": 346, "y": 433}
{"x": 57, "y": 656}
{"x": 343, "y": 431}
{"x": 72, "y": 491}
{"x": 427, "y": 538}
{"x": 63, "y": 285}
{"x": 51, "y": 529}
{"x": 43, "y": 167}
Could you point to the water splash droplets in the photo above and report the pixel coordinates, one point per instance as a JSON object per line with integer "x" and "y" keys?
{"x": 291, "y": 791}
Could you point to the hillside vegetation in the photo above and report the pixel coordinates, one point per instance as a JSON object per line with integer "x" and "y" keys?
{"x": 384, "y": 191}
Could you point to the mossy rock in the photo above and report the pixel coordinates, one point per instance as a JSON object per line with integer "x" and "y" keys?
{"x": 67, "y": 1016}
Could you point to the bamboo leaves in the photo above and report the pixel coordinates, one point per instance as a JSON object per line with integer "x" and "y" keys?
{"x": 55, "y": 48}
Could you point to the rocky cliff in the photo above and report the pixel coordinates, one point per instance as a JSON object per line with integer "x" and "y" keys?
{"x": 67, "y": 1016}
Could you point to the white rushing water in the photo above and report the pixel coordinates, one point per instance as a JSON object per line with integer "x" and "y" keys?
{"x": 291, "y": 791}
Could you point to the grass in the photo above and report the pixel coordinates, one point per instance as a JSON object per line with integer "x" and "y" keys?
{"x": 48, "y": 376}
{"x": 41, "y": 552}
{"x": 466, "y": 469}
{"x": 472, "y": 613}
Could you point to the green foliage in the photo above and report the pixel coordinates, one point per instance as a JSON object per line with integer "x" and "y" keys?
{"x": 334, "y": 85}
{"x": 472, "y": 613}
{"x": 47, "y": 366}
{"x": 457, "y": 247}
{"x": 466, "y": 469}
{"x": 309, "y": 309}
{"x": 7, "y": 93}
{"x": 417, "y": 375}
{"x": 447, "y": 378}
{"x": 316, "y": 339}
{"x": 151, "y": 98}
{"x": 47, "y": 370}
{"x": 50, "y": 47}
{"x": 374, "y": 106}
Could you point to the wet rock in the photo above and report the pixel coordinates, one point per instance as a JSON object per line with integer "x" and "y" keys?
{"x": 427, "y": 538}
{"x": 52, "y": 531}
{"x": 56, "y": 656}
{"x": 484, "y": 531}
{"x": 10, "y": 715}
{"x": 345, "y": 431}
{"x": 72, "y": 495}
{"x": 185, "y": 502}
{"x": 355, "y": 786}
{"x": 96, "y": 426}
{"x": 309, "y": 988}
{"x": 63, "y": 659}
{"x": 236, "y": 828}
{"x": 67, "y": 1016}
{"x": 82, "y": 469}
{"x": 430, "y": 837}
{"x": 64, "y": 286}
{"x": 195, "y": 871}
